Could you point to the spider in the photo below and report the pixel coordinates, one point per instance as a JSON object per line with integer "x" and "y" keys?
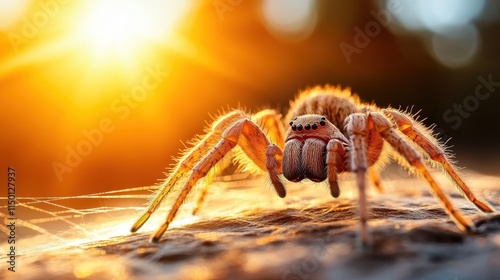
{"x": 330, "y": 131}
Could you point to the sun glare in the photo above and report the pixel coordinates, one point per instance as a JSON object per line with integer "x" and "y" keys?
{"x": 127, "y": 26}
{"x": 106, "y": 35}
{"x": 119, "y": 39}
{"x": 108, "y": 25}
{"x": 10, "y": 10}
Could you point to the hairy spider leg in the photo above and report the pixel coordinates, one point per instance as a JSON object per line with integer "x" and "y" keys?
{"x": 357, "y": 131}
{"x": 204, "y": 191}
{"x": 384, "y": 127}
{"x": 245, "y": 133}
{"x": 335, "y": 154}
{"x": 187, "y": 162}
{"x": 375, "y": 178}
{"x": 270, "y": 122}
{"x": 274, "y": 156}
{"x": 436, "y": 153}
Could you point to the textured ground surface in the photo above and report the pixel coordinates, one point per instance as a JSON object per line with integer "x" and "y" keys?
{"x": 246, "y": 232}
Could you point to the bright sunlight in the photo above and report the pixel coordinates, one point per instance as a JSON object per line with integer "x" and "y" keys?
{"x": 107, "y": 35}
{"x": 115, "y": 25}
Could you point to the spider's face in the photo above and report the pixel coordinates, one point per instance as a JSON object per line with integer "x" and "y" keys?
{"x": 304, "y": 155}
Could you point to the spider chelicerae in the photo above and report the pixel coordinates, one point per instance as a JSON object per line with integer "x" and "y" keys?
{"x": 330, "y": 131}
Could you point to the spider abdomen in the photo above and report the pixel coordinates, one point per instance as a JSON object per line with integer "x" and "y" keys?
{"x": 305, "y": 159}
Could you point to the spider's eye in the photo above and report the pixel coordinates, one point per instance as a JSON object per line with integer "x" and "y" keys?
{"x": 307, "y": 126}
{"x": 314, "y": 126}
{"x": 290, "y": 123}
{"x": 294, "y": 127}
{"x": 299, "y": 127}
{"x": 322, "y": 122}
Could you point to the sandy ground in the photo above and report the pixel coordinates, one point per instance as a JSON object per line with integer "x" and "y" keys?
{"x": 245, "y": 231}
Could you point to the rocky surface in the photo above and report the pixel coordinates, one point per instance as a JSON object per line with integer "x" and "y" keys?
{"x": 246, "y": 232}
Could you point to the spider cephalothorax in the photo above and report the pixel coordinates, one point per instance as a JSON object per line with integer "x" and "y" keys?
{"x": 330, "y": 131}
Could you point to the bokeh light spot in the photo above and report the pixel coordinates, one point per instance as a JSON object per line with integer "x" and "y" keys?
{"x": 447, "y": 27}
{"x": 290, "y": 20}
{"x": 457, "y": 46}
{"x": 437, "y": 15}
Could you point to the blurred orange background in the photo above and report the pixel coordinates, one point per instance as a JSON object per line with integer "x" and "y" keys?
{"x": 99, "y": 95}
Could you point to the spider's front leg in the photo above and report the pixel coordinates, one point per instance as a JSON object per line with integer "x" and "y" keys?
{"x": 356, "y": 128}
{"x": 188, "y": 161}
{"x": 253, "y": 142}
{"x": 335, "y": 153}
{"x": 269, "y": 121}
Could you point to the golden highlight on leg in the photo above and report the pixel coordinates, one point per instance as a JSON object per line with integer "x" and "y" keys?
{"x": 237, "y": 133}
{"x": 182, "y": 167}
{"x": 187, "y": 162}
{"x": 204, "y": 192}
{"x": 138, "y": 224}
{"x": 198, "y": 172}
{"x": 375, "y": 178}
{"x": 159, "y": 233}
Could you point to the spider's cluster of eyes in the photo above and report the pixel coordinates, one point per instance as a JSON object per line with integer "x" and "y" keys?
{"x": 307, "y": 126}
